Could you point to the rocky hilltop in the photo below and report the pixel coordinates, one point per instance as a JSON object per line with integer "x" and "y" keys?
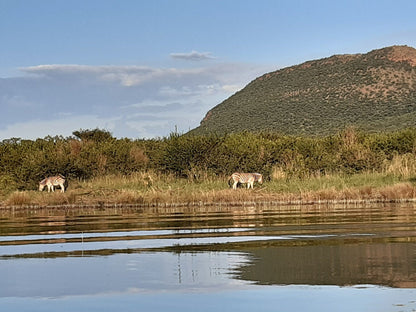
{"x": 373, "y": 91}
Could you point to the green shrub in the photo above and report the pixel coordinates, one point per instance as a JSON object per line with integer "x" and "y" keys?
{"x": 23, "y": 163}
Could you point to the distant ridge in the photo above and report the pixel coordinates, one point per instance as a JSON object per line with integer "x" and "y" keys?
{"x": 373, "y": 91}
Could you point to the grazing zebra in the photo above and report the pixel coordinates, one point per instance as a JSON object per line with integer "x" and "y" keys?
{"x": 248, "y": 178}
{"x": 50, "y": 182}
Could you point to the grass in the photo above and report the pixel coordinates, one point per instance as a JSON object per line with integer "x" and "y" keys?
{"x": 150, "y": 188}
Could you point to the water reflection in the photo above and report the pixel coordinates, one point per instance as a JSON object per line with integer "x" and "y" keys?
{"x": 61, "y": 253}
{"x": 122, "y": 273}
{"x": 336, "y": 263}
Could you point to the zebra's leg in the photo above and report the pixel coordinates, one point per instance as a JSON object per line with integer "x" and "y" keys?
{"x": 250, "y": 183}
{"x": 235, "y": 185}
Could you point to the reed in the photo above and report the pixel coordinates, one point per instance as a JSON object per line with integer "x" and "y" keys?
{"x": 403, "y": 165}
{"x": 18, "y": 198}
{"x": 153, "y": 188}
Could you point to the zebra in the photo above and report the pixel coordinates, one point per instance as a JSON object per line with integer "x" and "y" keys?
{"x": 248, "y": 178}
{"x": 50, "y": 182}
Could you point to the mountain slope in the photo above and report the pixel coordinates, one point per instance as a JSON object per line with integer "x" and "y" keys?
{"x": 374, "y": 91}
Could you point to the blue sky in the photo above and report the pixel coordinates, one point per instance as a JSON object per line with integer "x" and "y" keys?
{"x": 142, "y": 69}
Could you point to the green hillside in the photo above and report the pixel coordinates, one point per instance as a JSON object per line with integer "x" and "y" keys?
{"x": 373, "y": 91}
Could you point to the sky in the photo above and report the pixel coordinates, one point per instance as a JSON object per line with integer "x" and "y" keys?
{"x": 144, "y": 69}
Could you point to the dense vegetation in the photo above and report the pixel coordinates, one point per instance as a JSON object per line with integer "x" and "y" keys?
{"x": 95, "y": 153}
{"x": 374, "y": 92}
{"x": 292, "y": 125}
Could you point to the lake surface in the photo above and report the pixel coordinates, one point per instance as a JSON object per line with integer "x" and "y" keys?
{"x": 281, "y": 258}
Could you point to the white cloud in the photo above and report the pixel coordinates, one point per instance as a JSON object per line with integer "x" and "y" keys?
{"x": 232, "y": 88}
{"x": 125, "y": 75}
{"x": 149, "y": 130}
{"x": 193, "y": 56}
{"x": 64, "y": 126}
{"x": 197, "y": 90}
{"x": 84, "y": 69}
{"x": 147, "y": 101}
{"x": 16, "y": 101}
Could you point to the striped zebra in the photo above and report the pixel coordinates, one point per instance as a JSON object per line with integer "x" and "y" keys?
{"x": 248, "y": 178}
{"x": 51, "y": 182}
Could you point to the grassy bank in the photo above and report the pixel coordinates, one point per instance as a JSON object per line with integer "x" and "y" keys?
{"x": 151, "y": 188}
{"x": 188, "y": 170}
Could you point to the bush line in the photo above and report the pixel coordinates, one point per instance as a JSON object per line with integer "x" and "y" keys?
{"x": 95, "y": 153}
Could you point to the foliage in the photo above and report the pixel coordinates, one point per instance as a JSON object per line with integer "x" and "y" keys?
{"x": 95, "y": 135}
{"x": 23, "y": 163}
{"x": 373, "y": 91}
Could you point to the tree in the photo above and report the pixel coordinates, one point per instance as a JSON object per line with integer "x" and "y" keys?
{"x": 96, "y": 135}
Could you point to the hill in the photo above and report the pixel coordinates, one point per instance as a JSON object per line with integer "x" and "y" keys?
{"x": 373, "y": 91}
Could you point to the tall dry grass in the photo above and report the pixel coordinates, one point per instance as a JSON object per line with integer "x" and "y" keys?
{"x": 403, "y": 166}
{"x": 18, "y": 198}
{"x": 26, "y": 198}
{"x": 154, "y": 188}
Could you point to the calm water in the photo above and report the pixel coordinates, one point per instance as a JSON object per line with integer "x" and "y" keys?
{"x": 312, "y": 258}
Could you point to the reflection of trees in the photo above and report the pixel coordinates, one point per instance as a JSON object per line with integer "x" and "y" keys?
{"x": 94, "y": 219}
{"x": 389, "y": 264}
{"x": 386, "y": 257}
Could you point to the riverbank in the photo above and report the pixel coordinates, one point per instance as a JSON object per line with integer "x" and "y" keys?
{"x": 149, "y": 189}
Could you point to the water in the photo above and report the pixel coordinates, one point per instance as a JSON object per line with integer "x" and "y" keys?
{"x": 288, "y": 258}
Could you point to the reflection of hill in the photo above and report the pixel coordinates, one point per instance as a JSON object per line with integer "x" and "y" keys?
{"x": 389, "y": 264}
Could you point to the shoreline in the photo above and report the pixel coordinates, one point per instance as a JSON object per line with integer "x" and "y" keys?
{"x": 101, "y": 205}
{"x": 169, "y": 192}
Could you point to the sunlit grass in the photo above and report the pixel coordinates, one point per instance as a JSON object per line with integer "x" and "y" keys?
{"x": 153, "y": 188}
